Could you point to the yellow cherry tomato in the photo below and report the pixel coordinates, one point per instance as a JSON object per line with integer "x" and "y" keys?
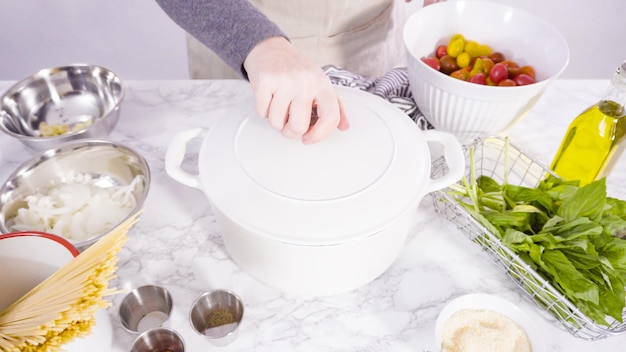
{"x": 477, "y": 67}
{"x": 472, "y": 48}
{"x": 483, "y": 50}
{"x": 457, "y": 36}
{"x": 456, "y": 47}
{"x": 463, "y": 60}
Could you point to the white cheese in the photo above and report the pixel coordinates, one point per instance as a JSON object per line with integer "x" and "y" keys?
{"x": 481, "y": 330}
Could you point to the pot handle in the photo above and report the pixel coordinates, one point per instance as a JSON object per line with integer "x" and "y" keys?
{"x": 176, "y": 153}
{"x": 454, "y": 158}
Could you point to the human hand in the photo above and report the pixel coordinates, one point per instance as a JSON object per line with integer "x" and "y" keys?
{"x": 287, "y": 86}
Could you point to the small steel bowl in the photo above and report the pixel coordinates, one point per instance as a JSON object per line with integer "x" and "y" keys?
{"x": 217, "y": 315}
{"x": 106, "y": 164}
{"x": 157, "y": 340}
{"x": 144, "y": 308}
{"x": 82, "y": 99}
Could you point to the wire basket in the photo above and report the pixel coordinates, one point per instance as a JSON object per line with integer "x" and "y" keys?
{"x": 489, "y": 159}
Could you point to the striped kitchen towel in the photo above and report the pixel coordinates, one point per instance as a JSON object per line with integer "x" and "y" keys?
{"x": 393, "y": 86}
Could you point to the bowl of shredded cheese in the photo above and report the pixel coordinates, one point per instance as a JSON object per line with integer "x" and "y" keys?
{"x": 79, "y": 191}
{"x": 486, "y": 323}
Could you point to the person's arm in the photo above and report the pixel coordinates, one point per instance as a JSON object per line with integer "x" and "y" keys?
{"x": 231, "y": 28}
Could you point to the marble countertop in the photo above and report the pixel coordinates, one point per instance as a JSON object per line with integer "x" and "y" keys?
{"x": 177, "y": 243}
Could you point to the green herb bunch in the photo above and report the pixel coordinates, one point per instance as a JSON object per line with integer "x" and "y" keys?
{"x": 573, "y": 236}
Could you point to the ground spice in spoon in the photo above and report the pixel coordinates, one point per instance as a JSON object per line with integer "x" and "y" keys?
{"x": 219, "y": 317}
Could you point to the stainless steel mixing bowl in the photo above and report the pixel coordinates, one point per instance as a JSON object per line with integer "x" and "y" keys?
{"x": 83, "y": 99}
{"x": 107, "y": 164}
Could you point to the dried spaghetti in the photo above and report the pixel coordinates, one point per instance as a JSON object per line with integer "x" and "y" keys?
{"x": 62, "y": 307}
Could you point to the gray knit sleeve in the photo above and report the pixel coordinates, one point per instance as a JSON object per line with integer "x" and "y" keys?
{"x": 231, "y": 28}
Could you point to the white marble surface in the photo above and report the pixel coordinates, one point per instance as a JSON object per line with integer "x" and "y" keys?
{"x": 177, "y": 243}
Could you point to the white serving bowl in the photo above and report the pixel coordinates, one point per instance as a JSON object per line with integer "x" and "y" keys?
{"x": 470, "y": 110}
{"x": 28, "y": 258}
{"x": 481, "y": 301}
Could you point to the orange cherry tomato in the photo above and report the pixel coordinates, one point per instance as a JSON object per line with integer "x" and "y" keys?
{"x": 529, "y": 70}
{"x": 507, "y": 83}
{"x": 462, "y": 74}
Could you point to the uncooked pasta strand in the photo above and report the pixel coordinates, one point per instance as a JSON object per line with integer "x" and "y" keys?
{"x": 63, "y": 305}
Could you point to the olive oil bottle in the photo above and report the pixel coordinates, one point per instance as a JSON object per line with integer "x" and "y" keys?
{"x": 596, "y": 138}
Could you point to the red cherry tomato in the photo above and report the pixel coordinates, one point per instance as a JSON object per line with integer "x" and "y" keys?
{"x": 441, "y": 51}
{"x": 523, "y": 79}
{"x": 498, "y": 73}
{"x": 479, "y": 78}
{"x": 496, "y": 57}
{"x": 432, "y": 62}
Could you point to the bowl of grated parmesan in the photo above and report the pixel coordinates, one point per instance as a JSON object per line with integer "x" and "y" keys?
{"x": 79, "y": 191}
{"x": 486, "y": 323}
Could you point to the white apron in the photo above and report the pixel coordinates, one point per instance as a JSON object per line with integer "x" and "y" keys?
{"x": 361, "y": 36}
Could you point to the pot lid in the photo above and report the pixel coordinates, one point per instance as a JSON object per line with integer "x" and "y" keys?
{"x": 352, "y": 184}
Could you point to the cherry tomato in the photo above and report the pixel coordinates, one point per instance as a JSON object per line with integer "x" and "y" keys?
{"x": 507, "y": 83}
{"x": 523, "y": 79}
{"x": 448, "y": 64}
{"x": 479, "y": 78}
{"x": 463, "y": 60}
{"x": 432, "y": 62}
{"x": 457, "y": 36}
{"x": 496, "y": 57}
{"x": 487, "y": 65}
{"x": 509, "y": 63}
{"x": 475, "y": 49}
{"x": 477, "y": 67}
{"x": 455, "y": 47}
{"x": 461, "y": 74}
{"x": 472, "y": 48}
{"x": 527, "y": 70}
{"x": 513, "y": 71}
{"x": 498, "y": 73}
{"x": 441, "y": 51}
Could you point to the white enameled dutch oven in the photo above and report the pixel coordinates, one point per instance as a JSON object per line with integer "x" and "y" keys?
{"x": 316, "y": 219}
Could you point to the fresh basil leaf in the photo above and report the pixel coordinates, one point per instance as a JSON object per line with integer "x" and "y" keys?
{"x": 614, "y": 225}
{"x": 576, "y": 228}
{"x": 581, "y": 259}
{"x": 616, "y": 207}
{"x": 513, "y": 237}
{"x": 569, "y": 278}
{"x": 552, "y": 222}
{"x": 587, "y": 201}
{"x": 516, "y": 220}
{"x": 612, "y": 298}
{"x": 615, "y": 253}
{"x": 488, "y": 184}
{"x": 525, "y": 195}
